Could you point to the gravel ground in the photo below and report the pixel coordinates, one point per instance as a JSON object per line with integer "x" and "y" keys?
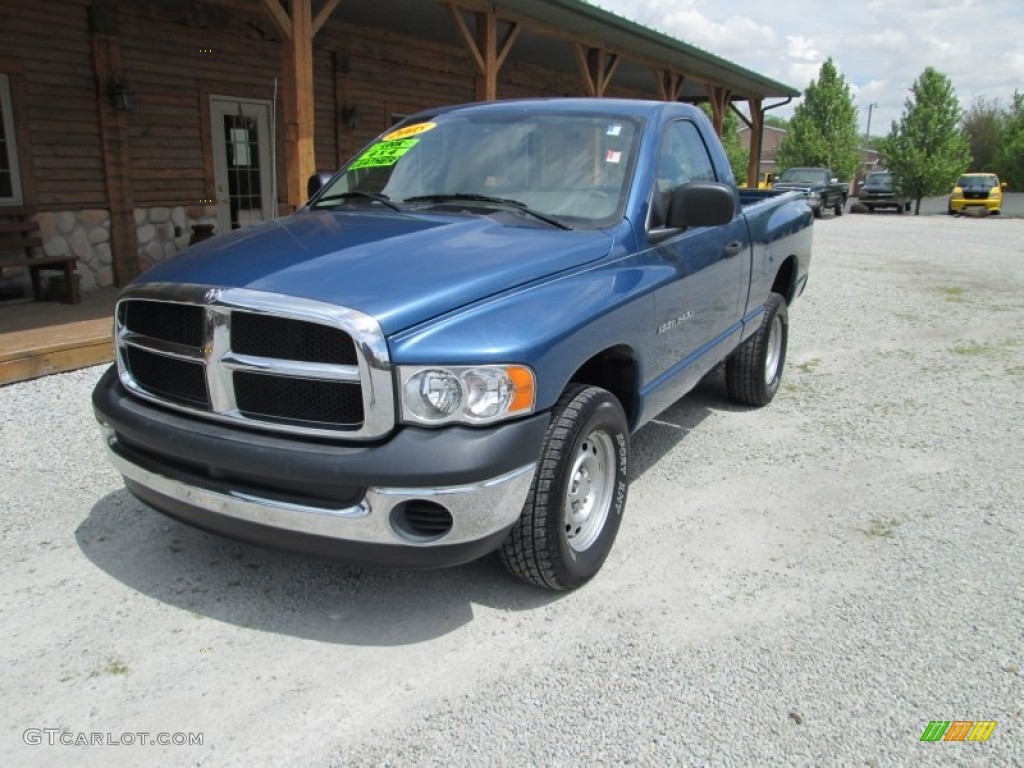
{"x": 808, "y": 584}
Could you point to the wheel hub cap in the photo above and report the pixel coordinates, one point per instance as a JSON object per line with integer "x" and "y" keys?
{"x": 589, "y": 491}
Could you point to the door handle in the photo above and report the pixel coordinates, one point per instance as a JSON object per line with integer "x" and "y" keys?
{"x": 731, "y": 249}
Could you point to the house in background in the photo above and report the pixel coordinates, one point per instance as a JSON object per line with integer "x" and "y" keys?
{"x": 771, "y": 140}
{"x": 128, "y": 126}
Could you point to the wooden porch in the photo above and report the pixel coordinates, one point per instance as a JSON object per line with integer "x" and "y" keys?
{"x": 37, "y": 339}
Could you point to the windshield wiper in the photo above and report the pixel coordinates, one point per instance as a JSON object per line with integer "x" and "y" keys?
{"x": 379, "y": 198}
{"x": 472, "y": 197}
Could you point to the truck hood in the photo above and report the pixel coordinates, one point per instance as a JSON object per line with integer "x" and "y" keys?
{"x": 400, "y": 268}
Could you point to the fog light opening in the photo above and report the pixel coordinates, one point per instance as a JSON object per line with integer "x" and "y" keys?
{"x": 421, "y": 522}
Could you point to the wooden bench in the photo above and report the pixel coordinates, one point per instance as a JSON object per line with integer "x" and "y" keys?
{"x": 18, "y": 232}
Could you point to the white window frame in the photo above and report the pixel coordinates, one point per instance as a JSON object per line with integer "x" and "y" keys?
{"x": 12, "y": 143}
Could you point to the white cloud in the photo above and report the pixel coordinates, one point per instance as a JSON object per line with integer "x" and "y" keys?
{"x": 880, "y": 46}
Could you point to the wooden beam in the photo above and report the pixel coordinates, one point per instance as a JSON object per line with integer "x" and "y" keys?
{"x": 756, "y": 143}
{"x": 280, "y": 17}
{"x": 467, "y": 37}
{"x": 487, "y": 42}
{"x": 324, "y": 15}
{"x": 117, "y": 171}
{"x": 297, "y": 102}
{"x": 506, "y": 43}
{"x": 602, "y": 66}
{"x": 670, "y": 84}
{"x": 487, "y": 52}
{"x": 589, "y": 86}
{"x": 719, "y": 97}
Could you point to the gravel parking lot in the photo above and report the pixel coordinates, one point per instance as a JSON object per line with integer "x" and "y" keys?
{"x": 807, "y": 584}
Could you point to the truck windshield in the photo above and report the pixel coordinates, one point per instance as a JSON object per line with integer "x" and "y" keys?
{"x": 804, "y": 176}
{"x": 570, "y": 167}
{"x": 985, "y": 182}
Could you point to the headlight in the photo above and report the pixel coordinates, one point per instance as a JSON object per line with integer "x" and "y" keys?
{"x": 478, "y": 394}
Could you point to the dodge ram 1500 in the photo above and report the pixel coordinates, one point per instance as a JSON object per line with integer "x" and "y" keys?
{"x": 446, "y": 351}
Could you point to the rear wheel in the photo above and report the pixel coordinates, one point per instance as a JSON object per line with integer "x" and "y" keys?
{"x": 753, "y": 372}
{"x": 572, "y": 515}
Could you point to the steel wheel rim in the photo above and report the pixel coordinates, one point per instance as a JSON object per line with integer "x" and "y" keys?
{"x": 771, "y": 360}
{"x": 588, "y": 494}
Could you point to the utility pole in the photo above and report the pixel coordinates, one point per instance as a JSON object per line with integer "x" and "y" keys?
{"x": 871, "y": 108}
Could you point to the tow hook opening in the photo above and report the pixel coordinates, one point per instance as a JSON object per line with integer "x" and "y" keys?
{"x": 421, "y": 522}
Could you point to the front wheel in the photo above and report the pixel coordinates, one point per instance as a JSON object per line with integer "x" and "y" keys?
{"x": 575, "y": 505}
{"x": 840, "y": 204}
{"x": 753, "y": 372}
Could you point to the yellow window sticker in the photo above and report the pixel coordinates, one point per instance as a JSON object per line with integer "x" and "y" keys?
{"x": 409, "y": 130}
{"x": 384, "y": 154}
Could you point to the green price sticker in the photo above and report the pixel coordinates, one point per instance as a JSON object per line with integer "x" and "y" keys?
{"x": 384, "y": 154}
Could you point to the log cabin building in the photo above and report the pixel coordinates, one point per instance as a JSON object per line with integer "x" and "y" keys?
{"x": 127, "y": 126}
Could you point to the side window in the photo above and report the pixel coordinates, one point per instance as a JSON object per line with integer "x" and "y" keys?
{"x": 682, "y": 158}
{"x": 10, "y": 182}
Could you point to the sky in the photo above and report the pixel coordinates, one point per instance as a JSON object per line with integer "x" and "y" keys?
{"x": 879, "y": 46}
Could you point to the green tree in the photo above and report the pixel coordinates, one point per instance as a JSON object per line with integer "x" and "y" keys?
{"x": 823, "y": 130}
{"x": 983, "y": 124}
{"x": 1010, "y": 158}
{"x": 776, "y": 122}
{"x": 926, "y": 149}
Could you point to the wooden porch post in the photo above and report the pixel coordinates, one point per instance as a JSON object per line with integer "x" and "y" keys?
{"x": 670, "y": 84}
{"x": 597, "y": 67}
{"x": 296, "y": 27}
{"x": 719, "y": 96}
{"x": 117, "y": 171}
{"x": 484, "y": 47}
{"x": 756, "y": 142}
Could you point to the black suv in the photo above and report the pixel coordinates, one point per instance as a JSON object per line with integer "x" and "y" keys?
{"x": 878, "y": 191}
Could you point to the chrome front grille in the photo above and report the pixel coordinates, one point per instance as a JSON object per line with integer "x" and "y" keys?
{"x": 254, "y": 358}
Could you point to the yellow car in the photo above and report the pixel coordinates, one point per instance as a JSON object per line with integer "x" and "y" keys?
{"x": 977, "y": 189}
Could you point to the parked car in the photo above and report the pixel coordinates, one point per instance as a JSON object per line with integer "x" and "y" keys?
{"x": 977, "y": 189}
{"x": 822, "y": 188}
{"x": 446, "y": 351}
{"x": 765, "y": 182}
{"x": 879, "y": 191}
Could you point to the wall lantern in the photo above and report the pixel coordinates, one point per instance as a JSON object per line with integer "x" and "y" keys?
{"x": 121, "y": 97}
{"x": 350, "y": 116}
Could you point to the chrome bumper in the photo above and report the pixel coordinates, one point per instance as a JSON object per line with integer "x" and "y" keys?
{"x": 478, "y": 510}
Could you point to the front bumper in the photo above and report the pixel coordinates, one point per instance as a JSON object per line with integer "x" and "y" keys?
{"x": 352, "y": 502}
{"x": 957, "y": 204}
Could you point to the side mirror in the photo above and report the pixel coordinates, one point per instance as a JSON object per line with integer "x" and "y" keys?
{"x": 701, "y": 204}
{"x": 316, "y": 182}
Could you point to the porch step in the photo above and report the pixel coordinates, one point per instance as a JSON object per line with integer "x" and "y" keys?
{"x": 28, "y": 354}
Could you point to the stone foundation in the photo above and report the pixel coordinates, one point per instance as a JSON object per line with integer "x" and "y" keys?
{"x": 161, "y": 232}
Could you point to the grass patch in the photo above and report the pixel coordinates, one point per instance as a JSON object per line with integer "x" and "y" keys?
{"x": 808, "y": 366}
{"x": 880, "y": 528}
{"x": 987, "y": 348}
{"x": 954, "y": 293}
{"x": 114, "y": 667}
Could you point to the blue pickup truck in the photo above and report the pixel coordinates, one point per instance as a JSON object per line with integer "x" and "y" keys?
{"x": 445, "y": 352}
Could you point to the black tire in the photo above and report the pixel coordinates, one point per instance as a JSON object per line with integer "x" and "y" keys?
{"x": 819, "y": 211}
{"x": 753, "y": 372}
{"x": 575, "y": 505}
{"x": 840, "y": 204}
